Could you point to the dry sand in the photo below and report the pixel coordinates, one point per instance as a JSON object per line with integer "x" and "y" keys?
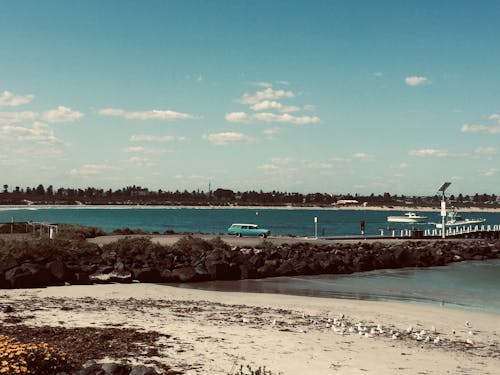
{"x": 215, "y": 332}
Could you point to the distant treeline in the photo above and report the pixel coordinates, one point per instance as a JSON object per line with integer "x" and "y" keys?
{"x": 139, "y": 195}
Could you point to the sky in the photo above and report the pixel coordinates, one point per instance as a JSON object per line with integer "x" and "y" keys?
{"x": 298, "y": 96}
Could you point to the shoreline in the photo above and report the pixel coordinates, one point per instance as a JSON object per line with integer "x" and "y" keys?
{"x": 212, "y": 332}
{"x": 173, "y": 207}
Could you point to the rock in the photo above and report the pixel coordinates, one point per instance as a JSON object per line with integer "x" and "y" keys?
{"x": 115, "y": 369}
{"x": 219, "y": 270}
{"x": 58, "y": 270}
{"x": 8, "y": 309}
{"x": 287, "y": 268}
{"x": 184, "y": 274}
{"x": 29, "y": 275}
{"x": 143, "y": 370}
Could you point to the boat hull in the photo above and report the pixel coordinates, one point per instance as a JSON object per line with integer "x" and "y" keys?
{"x": 461, "y": 223}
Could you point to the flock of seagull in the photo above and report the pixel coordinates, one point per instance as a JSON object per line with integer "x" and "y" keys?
{"x": 342, "y": 326}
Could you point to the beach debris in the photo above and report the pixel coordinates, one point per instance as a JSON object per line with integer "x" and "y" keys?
{"x": 395, "y": 336}
{"x": 436, "y": 340}
{"x": 469, "y": 341}
{"x": 409, "y": 329}
{"x": 433, "y": 329}
{"x": 467, "y": 324}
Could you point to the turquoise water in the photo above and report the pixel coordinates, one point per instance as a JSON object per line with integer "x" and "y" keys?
{"x": 468, "y": 285}
{"x": 298, "y": 222}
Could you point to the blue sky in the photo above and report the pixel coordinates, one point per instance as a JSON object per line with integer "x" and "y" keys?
{"x": 328, "y": 96}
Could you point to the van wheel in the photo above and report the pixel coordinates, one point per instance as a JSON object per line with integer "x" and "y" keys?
{"x": 238, "y": 234}
{"x": 263, "y": 235}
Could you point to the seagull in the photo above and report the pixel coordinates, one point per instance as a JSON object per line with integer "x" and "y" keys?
{"x": 394, "y": 337}
{"x": 409, "y": 329}
{"x": 433, "y": 329}
{"x": 274, "y": 322}
{"x": 469, "y": 341}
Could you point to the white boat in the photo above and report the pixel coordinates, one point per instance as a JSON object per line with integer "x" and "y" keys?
{"x": 455, "y": 220}
{"x": 409, "y": 217}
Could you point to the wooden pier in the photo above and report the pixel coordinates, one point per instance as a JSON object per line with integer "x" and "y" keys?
{"x": 471, "y": 231}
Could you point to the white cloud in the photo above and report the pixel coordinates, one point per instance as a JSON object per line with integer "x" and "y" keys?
{"x": 299, "y": 120}
{"x": 494, "y": 129}
{"x": 10, "y": 99}
{"x": 485, "y": 151}
{"x": 91, "y": 170}
{"x": 416, "y": 81}
{"x": 272, "y": 131}
{"x": 266, "y": 94}
{"x": 238, "y": 117}
{"x": 227, "y": 137}
{"x": 273, "y": 105}
{"x": 318, "y": 165}
{"x": 140, "y": 162}
{"x": 403, "y": 165}
{"x": 7, "y": 118}
{"x": 165, "y": 115}
{"x": 135, "y": 149}
{"x": 61, "y": 114}
{"x": 155, "y": 138}
{"x": 378, "y": 74}
{"x": 494, "y": 116}
{"x": 38, "y": 132}
{"x": 429, "y": 152}
{"x": 268, "y": 167}
{"x": 489, "y": 172}
{"x": 263, "y": 84}
{"x": 268, "y": 108}
{"x": 363, "y": 156}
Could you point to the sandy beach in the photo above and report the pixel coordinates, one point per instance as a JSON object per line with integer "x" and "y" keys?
{"x": 215, "y": 332}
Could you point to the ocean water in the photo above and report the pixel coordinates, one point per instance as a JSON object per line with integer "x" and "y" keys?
{"x": 473, "y": 285}
{"x": 298, "y": 222}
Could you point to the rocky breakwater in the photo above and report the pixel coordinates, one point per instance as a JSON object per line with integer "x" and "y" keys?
{"x": 38, "y": 263}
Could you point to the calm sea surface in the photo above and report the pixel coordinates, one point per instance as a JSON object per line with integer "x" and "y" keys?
{"x": 472, "y": 285}
{"x": 298, "y": 222}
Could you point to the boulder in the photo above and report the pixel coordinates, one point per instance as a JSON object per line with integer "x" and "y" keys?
{"x": 219, "y": 270}
{"x": 184, "y": 274}
{"x": 115, "y": 369}
{"x": 142, "y": 370}
{"x": 29, "y": 275}
{"x": 58, "y": 270}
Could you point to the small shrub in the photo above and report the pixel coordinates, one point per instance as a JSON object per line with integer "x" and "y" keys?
{"x": 30, "y": 358}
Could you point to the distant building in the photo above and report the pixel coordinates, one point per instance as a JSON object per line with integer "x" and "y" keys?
{"x": 345, "y": 202}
